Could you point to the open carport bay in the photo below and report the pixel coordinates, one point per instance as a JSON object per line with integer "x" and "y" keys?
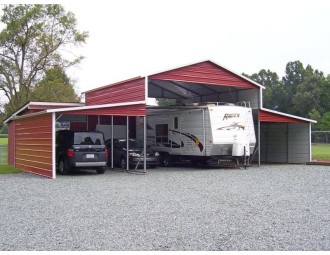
{"x": 274, "y": 207}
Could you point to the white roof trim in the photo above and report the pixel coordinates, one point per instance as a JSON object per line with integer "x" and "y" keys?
{"x": 77, "y": 108}
{"x": 55, "y": 103}
{"x": 90, "y": 107}
{"x": 26, "y": 106}
{"x": 287, "y": 115}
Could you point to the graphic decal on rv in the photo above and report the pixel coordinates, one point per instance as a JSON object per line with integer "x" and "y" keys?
{"x": 230, "y": 115}
{"x": 172, "y": 144}
{"x": 192, "y": 137}
{"x": 234, "y": 125}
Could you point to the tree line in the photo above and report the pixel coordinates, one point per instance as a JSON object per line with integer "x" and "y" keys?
{"x": 303, "y": 91}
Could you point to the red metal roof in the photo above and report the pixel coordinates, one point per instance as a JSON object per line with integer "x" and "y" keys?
{"x": 206, "y": 72}
{"x": 266, "y": 115}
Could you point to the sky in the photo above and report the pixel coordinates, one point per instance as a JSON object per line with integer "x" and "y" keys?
{"x": 130, "y": 38}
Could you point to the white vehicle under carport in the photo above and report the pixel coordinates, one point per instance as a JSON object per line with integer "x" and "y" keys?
{"x": 80, "y": 150}
{"x": 202, "y": 133}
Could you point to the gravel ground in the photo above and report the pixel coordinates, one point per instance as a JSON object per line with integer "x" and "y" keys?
{"x": 274, "y": 207}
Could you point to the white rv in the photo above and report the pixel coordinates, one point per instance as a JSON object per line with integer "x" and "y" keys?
{"x": 202, "y": 132}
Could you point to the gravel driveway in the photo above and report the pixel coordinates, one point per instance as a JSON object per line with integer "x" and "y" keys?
{"x": 274, "y": 207}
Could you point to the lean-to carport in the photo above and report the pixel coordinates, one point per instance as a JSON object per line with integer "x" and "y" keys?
{"x": 127, "y": 109}
{"x": 32, "y": 136}
{"x": 284, "y": 138}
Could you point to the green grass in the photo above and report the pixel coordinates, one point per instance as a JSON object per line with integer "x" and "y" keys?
{"x": 3, "y": 154}
{"x": 3, "y": 141}
{"x": 8, "y": 170}
{"x": 3, "y": 135}
{"x": 321, "y": 151}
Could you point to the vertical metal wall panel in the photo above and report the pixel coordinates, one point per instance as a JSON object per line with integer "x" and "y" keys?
{"x": 277, "y": 143}
{"x": 11, "y": 143}
{"x": 249, "y": 95}
{"x": 299, "y": 143}
{"x": 33, "y": 144}
{"x": 126, "y": 91}
{"x": 263, "y": 142}
{"x": 205, "y": 72}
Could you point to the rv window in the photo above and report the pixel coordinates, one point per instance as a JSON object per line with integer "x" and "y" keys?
{"x": 162, "y": 133}
{"x": 176, "y": 122}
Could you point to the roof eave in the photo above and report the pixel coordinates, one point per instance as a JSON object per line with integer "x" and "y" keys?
{"x": 288, "y": 115}
{"x": 229, "y": 70}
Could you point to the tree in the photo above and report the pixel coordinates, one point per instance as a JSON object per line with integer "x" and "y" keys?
{"x": 54, "y": 87}
{"x": 32, "y": 42}
{"x": 302, "y": 91}
{"x": 307, "y": 95}
{"x": 165, "y": 101}
{"x": 325, "y": 122}
{"x": 272, "y": 94}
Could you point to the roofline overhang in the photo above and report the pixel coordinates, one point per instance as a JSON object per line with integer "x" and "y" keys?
{"x": 91, "y": 107}
{"x": 288, "y": 115}
{"x": 72, "y": 109}
{"x": 208, "y": 60}
{"x": 27, "y": 105}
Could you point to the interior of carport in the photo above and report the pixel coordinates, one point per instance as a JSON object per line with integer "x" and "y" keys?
{"x": 113, "y": 120}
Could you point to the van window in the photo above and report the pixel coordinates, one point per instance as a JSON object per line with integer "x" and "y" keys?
{"x": 88, "y": 138}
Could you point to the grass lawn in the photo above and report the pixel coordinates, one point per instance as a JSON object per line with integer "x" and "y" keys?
{"x": 3, "y": 140}
{"x": 8, "y": 170}
{"x": 321, "y": 151}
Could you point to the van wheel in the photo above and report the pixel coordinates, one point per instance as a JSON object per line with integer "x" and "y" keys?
{"x": 100, "y": 170}
{"x": 62, "y": 168}
{"x": 166, "y": 160}
{"x": 123, "y": 163}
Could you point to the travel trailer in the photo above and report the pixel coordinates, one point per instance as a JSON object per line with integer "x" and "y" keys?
{"x": 202, "y": 133}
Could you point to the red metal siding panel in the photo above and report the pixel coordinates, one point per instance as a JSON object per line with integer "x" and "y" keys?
{"x": 127, "y": 91}
{"x": 11, "y": 143}
{"x": 92, "y": 122}
{"x": 273, "y": 117}
{"x": 33, "y": 144}
{"x": 130, "y": 110}
{"x": 78, "y": 126}
{"x": 205, "y": 72}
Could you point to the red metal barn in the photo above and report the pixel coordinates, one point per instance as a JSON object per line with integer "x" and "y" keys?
{"x": 280, "y": 137}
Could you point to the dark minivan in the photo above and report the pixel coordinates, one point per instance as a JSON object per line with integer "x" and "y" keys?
{"x": 80, "y": 150}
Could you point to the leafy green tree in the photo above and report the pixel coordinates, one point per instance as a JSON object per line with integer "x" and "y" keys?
{"x": 272, "y": 94}
{"x": 32, "y": 42}
{"x": 54, "y": 87}
{"x": 302, "y": 91}
{"x": 165, "y": 101}
{"x": 307, "y": 95}
{"x": 315, "y": 115}
{"x": 294, "y": 75}
{"x": 325, "y": 122}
